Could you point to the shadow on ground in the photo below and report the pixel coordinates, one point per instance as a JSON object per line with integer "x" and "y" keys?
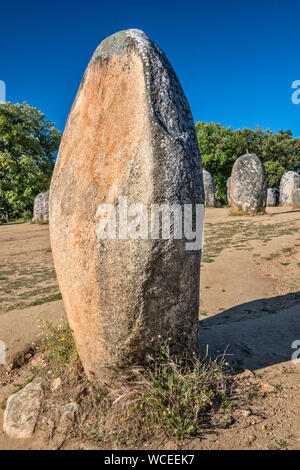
{"x": 255, "y": 334}
{"x": 285, "y": 212}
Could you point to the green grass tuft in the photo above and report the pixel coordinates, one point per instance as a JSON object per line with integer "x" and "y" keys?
{"x": 168, "y": 397}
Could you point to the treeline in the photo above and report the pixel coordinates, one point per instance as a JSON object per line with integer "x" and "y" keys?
{"x": 220, "y": 147}
{"x": 28, "y": 146}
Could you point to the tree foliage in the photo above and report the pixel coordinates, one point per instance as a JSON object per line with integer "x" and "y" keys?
{"x": 28, "y": 146}
{"x": 220, "y": 147}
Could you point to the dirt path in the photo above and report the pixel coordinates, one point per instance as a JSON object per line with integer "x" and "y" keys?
{"x": 27, "y": 275}
{"x": 20, "y": 328}
{"x": 250, "y": 307}
{"x": 28, "y": 285}
{"x": 247, "y": 287}
{"x": 250, "y": 299}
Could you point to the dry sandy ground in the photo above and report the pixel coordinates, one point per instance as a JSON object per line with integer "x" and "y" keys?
{"x": 250, "y": 299}
{"x": 27, "y": 275}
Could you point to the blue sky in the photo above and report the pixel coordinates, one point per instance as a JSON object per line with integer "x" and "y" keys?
{"x": 236, "y": 60}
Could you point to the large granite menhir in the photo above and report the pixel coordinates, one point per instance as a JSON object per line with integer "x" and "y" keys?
{"x": 289, "y": 182}
{"x": 248, "y": 185}
{"x": 130, "y": 133}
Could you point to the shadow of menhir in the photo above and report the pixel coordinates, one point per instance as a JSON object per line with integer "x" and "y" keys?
{"x": 258, "y": 334}
{"x": 294, "y": 211}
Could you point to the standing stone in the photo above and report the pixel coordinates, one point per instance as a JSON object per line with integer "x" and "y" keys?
{"x": 228, "y": 190}
{"x": 41, "y": 208}
{"x": 296, "y": 199}
{"x": 38, "y": 208}
{"x": 248, "y": 186}
{"x": 209, "y": 189}
{"x": 272, "y": 197}
{"x": 289, "y": 182}
{"x": 46, "y": 206}
{"x": 130, "y": 133}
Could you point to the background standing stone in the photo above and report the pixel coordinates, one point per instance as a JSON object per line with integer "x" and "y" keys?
{"x": 272, "y": 197}
{"x": 41, "y": 208}
{"x": 289, "y": 182}
{"x": 228, "y": 190}
{"x": 130, "y": 133}
{"x": 46, "y": 206}
{"x": 296, "y": 199}
{"x": 248, "y": 186}
{"x": 209, "y": 189}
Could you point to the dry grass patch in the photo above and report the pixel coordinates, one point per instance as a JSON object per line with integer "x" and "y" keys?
{"x": 27, "y": 284}
{"x": 239, "y": 235}
{"x": 167, "y": 397}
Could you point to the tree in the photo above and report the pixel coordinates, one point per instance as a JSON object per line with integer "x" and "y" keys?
{"x": 220, "y": 147}
{"x": 28, "y": 147}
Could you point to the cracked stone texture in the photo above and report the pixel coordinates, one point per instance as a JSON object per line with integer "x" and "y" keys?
{"x": 41, "y": 207}
{"x": 289, "y": 182}
{"x": 248, "y": 185}
{"x": 296, "y": 199}
{"x": 272, "y": 197}
{"x": 22, "y": 410}
{"x": 130, "y": 133}
{"x": 209, "y": 189}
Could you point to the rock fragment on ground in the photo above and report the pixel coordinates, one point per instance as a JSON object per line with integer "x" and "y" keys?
{"x": 22, "y": 410}
{"x": 56, "y": 384}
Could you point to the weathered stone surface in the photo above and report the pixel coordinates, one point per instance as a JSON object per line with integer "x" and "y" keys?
{"x": 228, "y": 190}
{"x": 46, "y": 206}
{"x": 289, "y": 182}
{"x": 38, "y": 207}
{"x": 130, "y": 133}
{"x": 68, "y": 411}
{"x": 41, "y": 208}
{"x": 272, "y": 197}
{"x": 209, "y": 189}
{"x": 56, "y": 384}
{"x": 248, "y": 185}
{"x": 296, "y": 199}
{"x": 22, "y": 410}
